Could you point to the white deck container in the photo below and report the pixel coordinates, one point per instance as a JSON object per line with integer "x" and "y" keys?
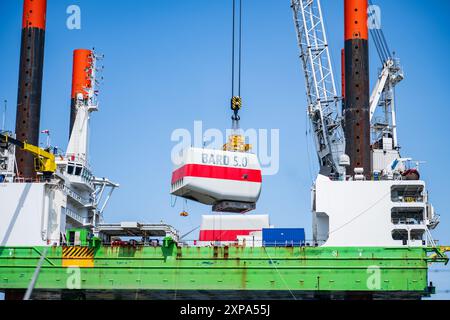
{"x": 225, "y": 227}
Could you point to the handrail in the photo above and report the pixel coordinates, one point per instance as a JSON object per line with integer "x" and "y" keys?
{"x": 76, "y": 216}
{"x": 75, "y": 195}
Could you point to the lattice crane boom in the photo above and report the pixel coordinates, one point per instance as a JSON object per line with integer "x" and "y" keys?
{"x": 322, "y": 97}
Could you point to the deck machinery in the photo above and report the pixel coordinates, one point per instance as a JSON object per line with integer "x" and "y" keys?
{"x": 52, "y": 233}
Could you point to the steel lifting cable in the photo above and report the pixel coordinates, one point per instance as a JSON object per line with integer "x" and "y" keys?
{"x": 279, "y": 273}
{"x": 377, "y": 47}
{"x": 232, "y": 47}
{"x": 308, "y": 152}
{"x": 236, "y": 88}
{"x": 233, "y": 51}
{"x": 382, "y": 38}
{"x": 173, "y": 203}
{"x": 382, "y": 51}
{"x": 240, "y": 47}
{"x": 380, "y": 42}
{"x": 190, "y": 221}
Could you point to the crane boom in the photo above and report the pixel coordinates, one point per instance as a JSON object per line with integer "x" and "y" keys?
{"x": 322, "y": 97}
{"x": 383, "y": 95}
{"x": 44, "y": 160}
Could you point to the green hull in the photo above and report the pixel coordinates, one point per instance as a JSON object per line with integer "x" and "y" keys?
{"x": 269, "y": 269}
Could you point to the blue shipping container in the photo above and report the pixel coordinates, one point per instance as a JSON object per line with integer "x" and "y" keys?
{"x": 281, "y": 237}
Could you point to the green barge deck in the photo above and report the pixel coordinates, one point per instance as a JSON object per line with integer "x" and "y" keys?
{"x": 228, "y": 272}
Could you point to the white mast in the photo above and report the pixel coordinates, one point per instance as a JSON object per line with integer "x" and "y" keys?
{"x": 78, "y": 143}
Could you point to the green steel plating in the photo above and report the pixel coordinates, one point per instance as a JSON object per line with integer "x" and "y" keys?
{"x": 221, "y": 268}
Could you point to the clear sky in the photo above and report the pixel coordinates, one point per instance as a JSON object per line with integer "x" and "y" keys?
{"x": 167, "y": 64}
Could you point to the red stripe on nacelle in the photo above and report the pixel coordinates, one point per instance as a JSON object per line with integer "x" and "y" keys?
{"x": 223, "y": 235}
{"x": 216, "y": 172}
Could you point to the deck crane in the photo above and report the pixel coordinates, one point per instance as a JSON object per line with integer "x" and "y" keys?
{"x": 359, "y": 203}
{"x": 383, "y": 95}
{"x": 322, "y": 97}
{"x": 44, "y": 161}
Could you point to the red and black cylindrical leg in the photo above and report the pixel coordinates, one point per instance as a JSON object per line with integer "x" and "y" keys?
{"x": 356, "y": 109}
{"x": 81, "y": 80}
{"x": 30, "y": 82}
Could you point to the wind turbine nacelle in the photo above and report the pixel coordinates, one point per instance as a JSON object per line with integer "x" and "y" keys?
{"x": 213, "y": 176}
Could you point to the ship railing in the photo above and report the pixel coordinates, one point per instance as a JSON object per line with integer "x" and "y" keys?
{"x": 408, "y": 199}
{"x": 38, "y": 179}
{"x": 71, "y": 157}
{"x": 157, "y": 242}
{"x": 198, "y": 243}
{"x": 407, "y": 221}
{"x": 251, "y": 243}
{"x": 75, "y": 196}
{"x": 75, "y": 216}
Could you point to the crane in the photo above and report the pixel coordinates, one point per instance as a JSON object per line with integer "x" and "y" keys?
{"x": 383, "y": 95}
{"x": 44, "y": 161}
{"x": 322, "y": 97}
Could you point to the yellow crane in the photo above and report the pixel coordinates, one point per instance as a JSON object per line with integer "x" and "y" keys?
{"x": 44, "y": 161}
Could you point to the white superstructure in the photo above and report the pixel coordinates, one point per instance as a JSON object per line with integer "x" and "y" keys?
{"x": 371, "y": 213}
{"x": 38, "y": 213}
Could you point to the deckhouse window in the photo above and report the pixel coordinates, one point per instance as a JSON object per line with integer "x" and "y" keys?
{"x": 407, "y": 193}
{"x": 406, "y": 215}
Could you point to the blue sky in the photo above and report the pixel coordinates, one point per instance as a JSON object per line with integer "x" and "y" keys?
{"x": 167, "y": 63}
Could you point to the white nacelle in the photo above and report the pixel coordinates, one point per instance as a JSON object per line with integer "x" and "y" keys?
{"x": 210, "y": 176}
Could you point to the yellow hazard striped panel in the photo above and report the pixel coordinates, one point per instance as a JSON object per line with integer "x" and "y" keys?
{"x": 77, "y": 256}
